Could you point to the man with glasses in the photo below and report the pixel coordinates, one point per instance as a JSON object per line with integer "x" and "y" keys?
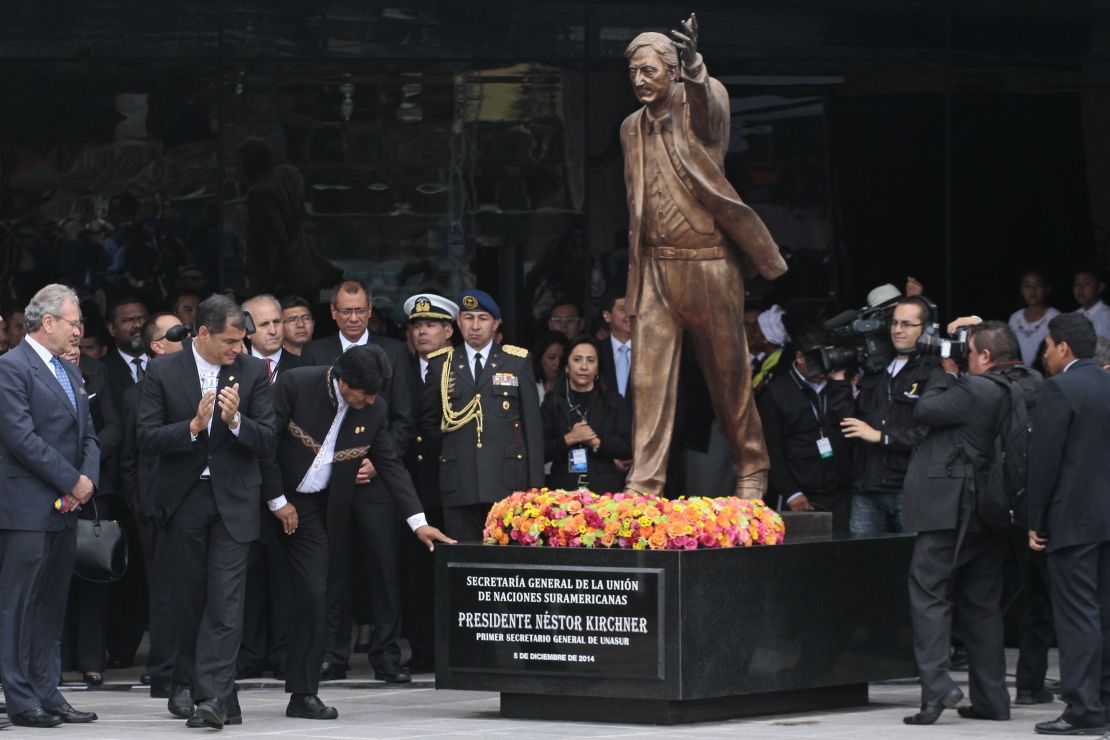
{"x": 126, "y": 361}
{"x": 884, "y": 423}
{"x": 566, "y": 317}
{"x": 48, "y": 445}
{"x": 297, "y": 324}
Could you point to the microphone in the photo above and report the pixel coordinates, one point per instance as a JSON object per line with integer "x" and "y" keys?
{"x": 841, "y": 319}
{"x": 179, "y": 332}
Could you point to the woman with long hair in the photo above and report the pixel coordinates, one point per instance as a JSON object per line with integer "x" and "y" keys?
{"x": 587, "y": 427}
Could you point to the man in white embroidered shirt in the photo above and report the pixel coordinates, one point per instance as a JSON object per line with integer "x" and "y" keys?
{"x": 332, "y": 435}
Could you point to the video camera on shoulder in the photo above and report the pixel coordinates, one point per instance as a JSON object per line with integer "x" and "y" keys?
{"x": 952, "y": 347}
{"x": 860, "y": 337}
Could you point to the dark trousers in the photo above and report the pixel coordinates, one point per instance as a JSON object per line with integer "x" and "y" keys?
{"x": 266, "y": 614}
{"x": 128, "y": 600}
{"x": 971, "y": 586}
{"x": 307, "y": 554}
{"x": 1079, "y": 578}
{"x": 35, "y": 569}
{"x": 1037, "y": 634}
{"x": 465, "y": 523}
{"x": 86, "y": 631}
{"x": 162, "y": 585}
{"x": 211, "y": 569}
{"x": 418, "y": 588}
{"x": 375, "y": 521}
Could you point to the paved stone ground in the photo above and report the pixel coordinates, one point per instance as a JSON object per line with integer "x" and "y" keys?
{"x": 369, "y": 709}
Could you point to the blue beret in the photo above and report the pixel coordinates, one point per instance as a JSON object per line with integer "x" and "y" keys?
{"x": 479, "y": 300}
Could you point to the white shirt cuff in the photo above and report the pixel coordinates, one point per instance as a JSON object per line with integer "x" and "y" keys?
{"x": 416, "y": 521}
{"x": 793, "y": 496}
{"x": 235, "y": 431}
{"x": 277, "y": 503}
{"x": 193, "y": 437}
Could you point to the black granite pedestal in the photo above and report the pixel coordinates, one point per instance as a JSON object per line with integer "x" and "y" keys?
{"x": 667, "y": 637}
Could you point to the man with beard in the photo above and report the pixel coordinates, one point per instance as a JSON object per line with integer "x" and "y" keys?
{"x": 126, "y": 361}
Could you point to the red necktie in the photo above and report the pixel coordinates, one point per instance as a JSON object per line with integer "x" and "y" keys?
{"x": 269, "y": 368}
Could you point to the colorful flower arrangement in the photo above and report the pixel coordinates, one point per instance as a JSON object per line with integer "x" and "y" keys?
{"x": 586, "y": 519}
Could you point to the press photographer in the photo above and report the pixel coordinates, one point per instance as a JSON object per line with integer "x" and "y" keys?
{"x": 959, "y": 551}
{"x": 884, "y": 422}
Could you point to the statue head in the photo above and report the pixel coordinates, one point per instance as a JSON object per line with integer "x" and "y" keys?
{"x": 652, "y": 68}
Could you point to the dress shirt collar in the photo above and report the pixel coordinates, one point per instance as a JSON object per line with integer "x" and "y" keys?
{"x": 44, "y": 354}
{"x": 275, "y": 358}
{"x": 203, "y": 365}
{"x": 655, "y": 125}
{"x": 817, "y": 387}
{"x": 345, "y": 344}
{"x": 1068, "y": 366}
{"x": 1094, "y": 310}
{"x": 617, "y": 344}
{"x": 130, "y": 359}
{"x": 486, "y": 351}
{"x": 423, "y": 367}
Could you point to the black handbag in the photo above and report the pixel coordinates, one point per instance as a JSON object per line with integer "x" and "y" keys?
{"x": 101, "y": 550}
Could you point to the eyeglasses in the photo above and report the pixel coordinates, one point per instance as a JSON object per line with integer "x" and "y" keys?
{"x": 73, "y": 324}
{"x": 349, "y": 312}
{"x": 896, "y": 324}
{"x": 306, "y": 319}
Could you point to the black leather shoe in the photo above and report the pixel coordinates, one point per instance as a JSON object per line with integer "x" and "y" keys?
{"x": 93, "y": 678}
{"x": 212, "y": 712}
{"x": 396, "y": 676}
{"x": 181, "y": 701}
{"x": 420, "y": 665}
{"x": 37, "y": 717}
{"x": 145, "y": 679}
{"x": 332, "y": 671}
{"x": 69, "y": 715}
{"x": 973, "y": 713}
{"x": 931, "y": 711}
{"x": 309, "y": 706}
{"x": 958, "y": 660}
{"x": 1044, "y": 696}
{"x": 1061, "y": 726}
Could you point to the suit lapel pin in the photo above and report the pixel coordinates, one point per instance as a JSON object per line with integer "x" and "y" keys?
{"x": 231, "y": 378}
{"x": 359, "y": 430}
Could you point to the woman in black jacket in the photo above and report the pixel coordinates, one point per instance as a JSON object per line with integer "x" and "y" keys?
{"x": 587, "y": 428}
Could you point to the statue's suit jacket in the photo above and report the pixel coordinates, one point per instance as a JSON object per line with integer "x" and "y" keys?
{"x": 699, "y": 109}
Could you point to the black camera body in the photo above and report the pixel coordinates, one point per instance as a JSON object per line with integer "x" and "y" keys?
{"x": 952, "y": 347}
{"x": 860, "y": 337}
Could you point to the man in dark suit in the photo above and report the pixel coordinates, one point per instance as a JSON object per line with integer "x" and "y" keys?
{"x": 615, "y": 353}
{"x": 136, "y": 475}
{"x": 957, "y": 558}
{"x": 332, "y": 431}
{"x": 125, "y": 360}
{"x": 430, "y": 329}
{"x": 351, "y": 309}
{"x": 481, "y": 403}
{"x": 206, "y": 412}
{"x": 266, "y": 616}
{"x": 1069, "y": 516}
{"x": 48, "y": 452}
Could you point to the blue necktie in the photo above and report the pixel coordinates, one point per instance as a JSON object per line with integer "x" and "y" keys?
{"x": 623, "y": 366}
{"x": 63, "y": 378}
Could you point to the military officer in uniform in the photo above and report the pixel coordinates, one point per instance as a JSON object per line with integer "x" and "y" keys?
{"x": 431, "y": 327}
{"x": 480, "y": 403}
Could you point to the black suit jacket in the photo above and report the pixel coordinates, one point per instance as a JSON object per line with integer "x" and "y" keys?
{"x": 398, "y": 392}
{"x": 119, "y": 375}
{"x": 608, "y": 368}
{"x": 305, "y": 405}
{"x": 106, "y": 421}
{"x": 169, "y": 399}
{"x": 422, "y": 458}
{"x": 135, "y": 471}
{"x": 1069, "y": 468}
{"x": 962, "y": 418}
{"x": 611, "y": 419}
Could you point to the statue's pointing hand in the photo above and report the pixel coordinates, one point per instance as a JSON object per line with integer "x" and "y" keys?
{"x": 687, "y": 40}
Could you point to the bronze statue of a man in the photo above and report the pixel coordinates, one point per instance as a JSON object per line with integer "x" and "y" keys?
{"x": 688, "y": 233}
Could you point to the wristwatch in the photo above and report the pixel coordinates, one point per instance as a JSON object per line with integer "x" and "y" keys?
{"x": 235, "y": 421}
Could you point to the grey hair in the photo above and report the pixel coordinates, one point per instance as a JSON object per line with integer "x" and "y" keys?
{"x": 49, "y": 300}
{"x": 659, "y": 43}
{"x": 262, "y": 297}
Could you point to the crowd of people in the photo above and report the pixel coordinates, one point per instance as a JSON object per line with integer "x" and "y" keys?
{"x": 294, "y": 483}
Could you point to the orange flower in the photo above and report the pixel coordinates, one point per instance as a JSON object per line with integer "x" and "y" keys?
{"x": 677, "y": 528}
{"x": 658, "y": 540}
{"x": 691, "y": 515}
{"x": 613, "y": 527}
{"x": 646, "y": 532}
{"x": 574, "y": 506}
{"x": 608, "y": 539}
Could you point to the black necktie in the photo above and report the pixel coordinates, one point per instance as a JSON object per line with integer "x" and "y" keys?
{"x": 139, "y": 372}
{"x": 477, "y": 367}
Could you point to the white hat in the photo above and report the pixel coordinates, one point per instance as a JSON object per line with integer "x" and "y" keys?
{"x": 430, "y": 306}
{"x": 770, "y": 323}
{"x": 882, "y": 294}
